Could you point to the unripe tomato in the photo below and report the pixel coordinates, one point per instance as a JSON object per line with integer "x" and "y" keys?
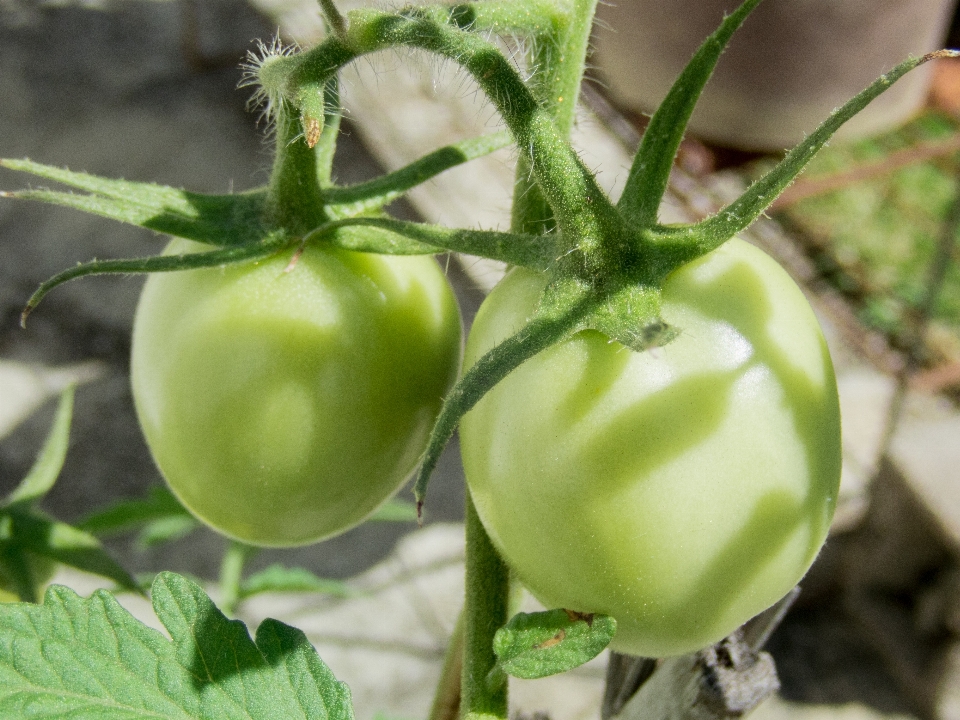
{"x": 284, "y": 407}
{"x": 681, "y": 490}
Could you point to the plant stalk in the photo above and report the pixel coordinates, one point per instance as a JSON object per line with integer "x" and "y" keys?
{"x": 446, "y": 701}
{"x": 561, "y": 59}
{"x": 231, "y": 574}
{"x": 295, "y": 196}
{"x": 485, "y": 612}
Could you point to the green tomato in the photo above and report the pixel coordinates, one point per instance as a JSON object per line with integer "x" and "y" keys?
{"x": 680, "y": 490}
{"x": 284, "y": 407}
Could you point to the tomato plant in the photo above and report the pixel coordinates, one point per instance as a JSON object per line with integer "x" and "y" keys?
{"x": 650, "y": 420}
{"x": 680, "y": 490}
{"x": 283, "y": 407}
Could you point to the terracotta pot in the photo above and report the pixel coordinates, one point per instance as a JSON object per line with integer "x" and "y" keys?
{"x": 791, "y": 63}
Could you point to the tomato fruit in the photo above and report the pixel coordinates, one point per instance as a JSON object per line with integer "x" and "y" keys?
{"x": 284, "y": 407}
{"x": 680, "y": 490}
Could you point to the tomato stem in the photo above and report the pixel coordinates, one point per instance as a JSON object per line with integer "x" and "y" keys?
{"x": 485, "y": 612}
{"x": 231, "y": 573}
{"x": 446, "y": 700}
{"x": 581, "y": 207}
{"x": 334, "y": 19}
{"x": 295, "y": 198}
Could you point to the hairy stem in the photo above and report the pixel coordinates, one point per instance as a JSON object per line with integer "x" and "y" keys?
{"x": 583, "y": 211}
{"x": 231, "y": 574}
{"x": 295, "y": 198}
{"x": 333, "y": 17}
{"x": 446, "y": 701}
{"x": 485, "y": 612}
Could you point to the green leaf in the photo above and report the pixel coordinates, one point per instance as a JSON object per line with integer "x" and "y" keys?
{"x": 159, "y": 504}
{"x": 214, "y": 219}
{"x": 278, "y": 578}
{"x": 535, "y": 645}
{"x": 89, "y": 658}
{"x": 395, "y": 511}
{"x": 68, "y": 545}
{"x": 49, "y": 462}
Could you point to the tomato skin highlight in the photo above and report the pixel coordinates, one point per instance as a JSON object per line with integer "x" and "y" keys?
{"x": 284, "y": 407}
{"x": 681, "y": 490}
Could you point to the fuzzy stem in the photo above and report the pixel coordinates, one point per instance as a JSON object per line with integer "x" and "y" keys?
{"x": 231, "y": 573}
{"x": 485, "y": 612}
{"x": 583, "y": 211}
{"x": 333, "y": 17}
{"x": 563, "y": 64}
{"x": 557, "y": 58}
{"x": 295, "y": 197}
{"x": 446, "y": 701}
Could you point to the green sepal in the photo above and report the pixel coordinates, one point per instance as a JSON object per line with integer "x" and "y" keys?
{"x": 46, "y": 468}
{"x": 550, "y": 325}
{"x": 76, "y": 657}
{"x": 326, "y": 147}
{"x": 650, "y": 170}
{"x": 708, "y": 234}
{"x": 214, "y": 219}
{"x": 353, "y": 200}
{"x": 537, "y": 645}
{"x": 400, "y": 237}
{"x": 158, "y": 263}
